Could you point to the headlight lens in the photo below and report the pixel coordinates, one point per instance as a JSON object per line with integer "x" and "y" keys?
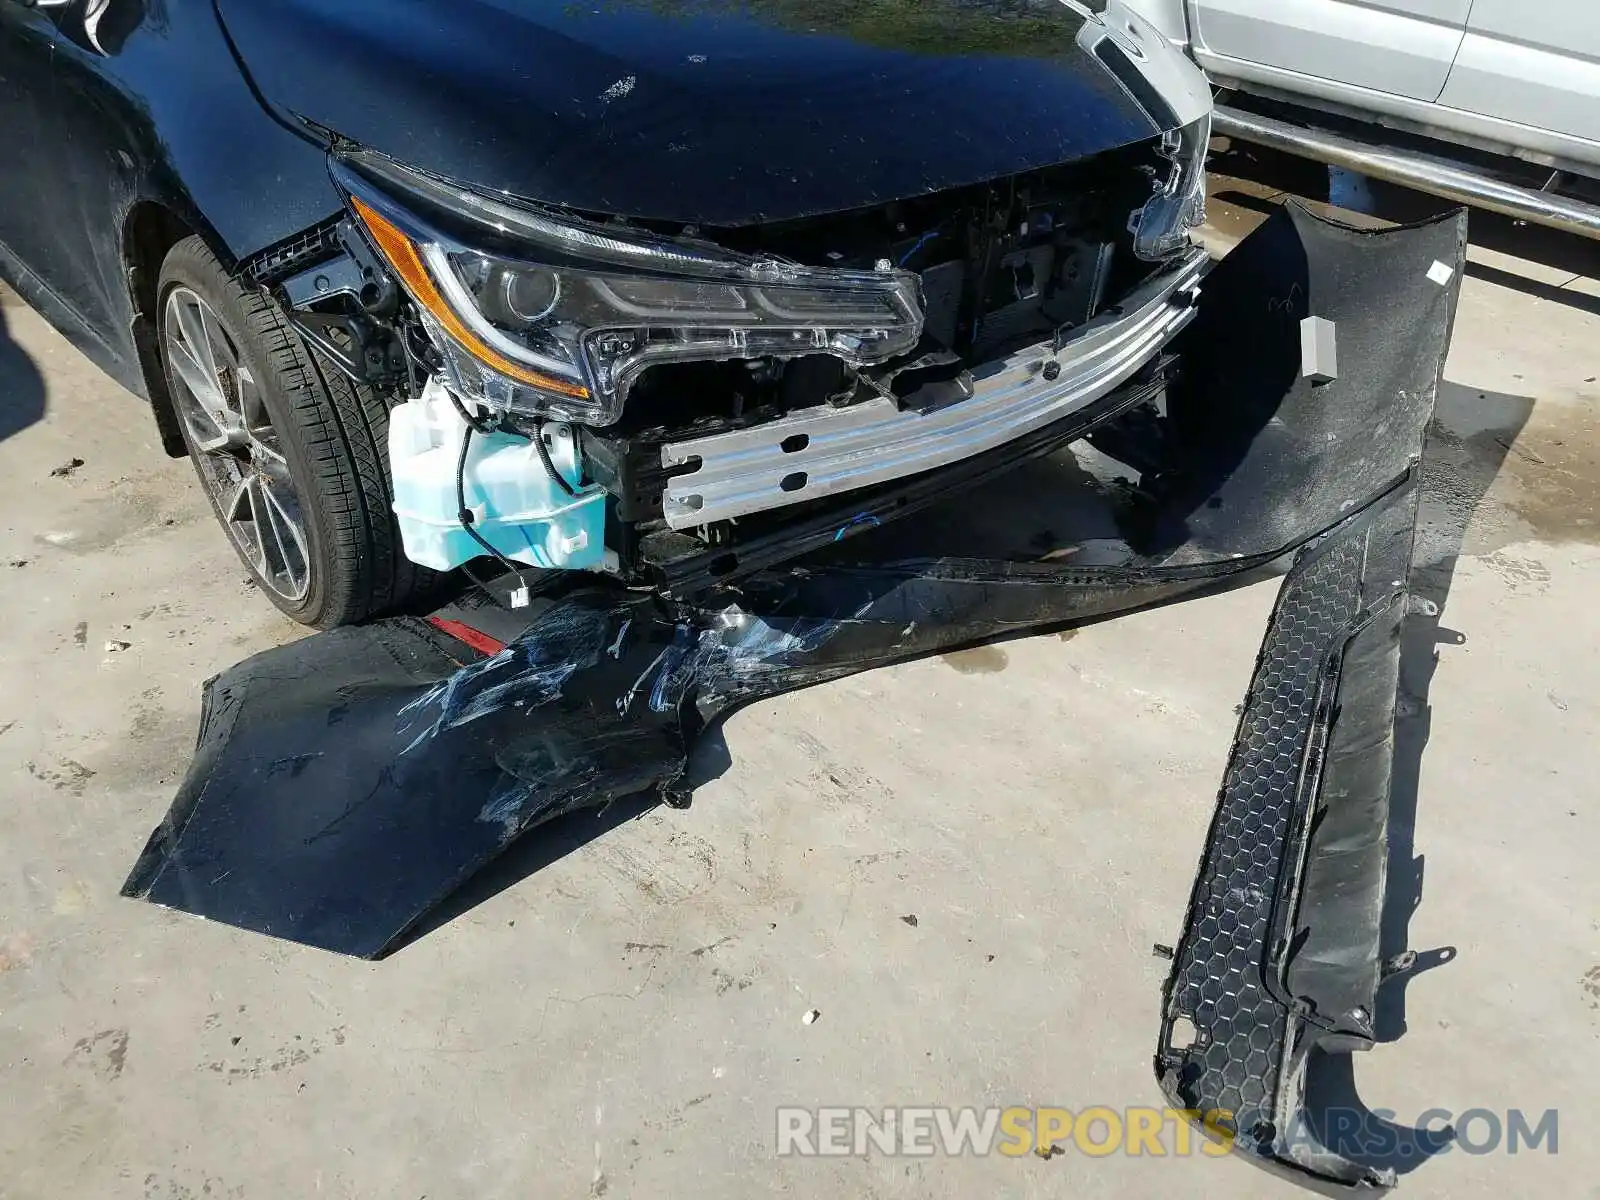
{"x": 1161, "y": 228}
{"x": 555, "y": 316}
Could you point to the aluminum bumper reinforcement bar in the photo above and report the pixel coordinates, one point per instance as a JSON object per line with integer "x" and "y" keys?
{"x": 821, "y": 451}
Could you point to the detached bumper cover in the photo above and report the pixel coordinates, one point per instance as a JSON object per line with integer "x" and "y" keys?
{"x": 1280, "y": 951}
{"x": 1280, "y": 958}
{"x": 749, "y": 470}
{"x": 345, "y": 785}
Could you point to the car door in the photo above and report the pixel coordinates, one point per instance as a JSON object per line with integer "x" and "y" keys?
{"x": 89, "y": 173}
{"x": 1400, "y": 47}
{"x": 62, "y": 177}
{"x": 1534, "y": 63}
{"x": 27, "y": 37}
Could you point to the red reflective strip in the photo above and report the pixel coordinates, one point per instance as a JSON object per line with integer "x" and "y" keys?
{"x": 478, "y": 640}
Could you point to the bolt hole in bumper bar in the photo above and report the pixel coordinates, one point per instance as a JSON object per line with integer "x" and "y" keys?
{"x": 345, "y": 785}
{"x": 749, "y": 470}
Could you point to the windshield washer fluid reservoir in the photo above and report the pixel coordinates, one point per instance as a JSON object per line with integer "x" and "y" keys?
{"x": 517, "y": 508}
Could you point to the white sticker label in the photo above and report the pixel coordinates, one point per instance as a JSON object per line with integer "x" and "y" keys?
{"x": 1441, "y": 273}
{"x": 519, "y": 597}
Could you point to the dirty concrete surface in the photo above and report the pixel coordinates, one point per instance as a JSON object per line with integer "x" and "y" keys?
{"x": 621, "y": 1010}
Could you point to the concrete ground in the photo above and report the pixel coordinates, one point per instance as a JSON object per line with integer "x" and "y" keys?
{"x": 625, "y": 1020}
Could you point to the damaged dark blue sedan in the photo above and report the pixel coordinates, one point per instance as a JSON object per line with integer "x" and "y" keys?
{"x": 672, "y": 355}
{"x": 636, "y": 286}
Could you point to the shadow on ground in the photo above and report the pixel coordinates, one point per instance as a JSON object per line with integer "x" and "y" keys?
{"x": 21, "y": 385}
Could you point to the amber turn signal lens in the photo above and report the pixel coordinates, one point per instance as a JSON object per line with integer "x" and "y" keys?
{"x": 407, "y": 263}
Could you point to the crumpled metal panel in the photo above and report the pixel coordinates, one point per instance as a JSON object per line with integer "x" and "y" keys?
{"x": 346, "y": 784}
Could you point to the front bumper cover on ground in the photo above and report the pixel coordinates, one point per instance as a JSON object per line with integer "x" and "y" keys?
{"x": 343, "y": 786}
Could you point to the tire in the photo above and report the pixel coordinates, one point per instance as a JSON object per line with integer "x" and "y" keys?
{"x": 293, "y": 456}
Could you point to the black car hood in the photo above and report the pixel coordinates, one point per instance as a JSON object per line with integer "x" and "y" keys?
{"x": 715, "y": 112}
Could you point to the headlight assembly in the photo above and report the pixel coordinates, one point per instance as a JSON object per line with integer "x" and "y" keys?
{"x": 1161, "y": 228}
{"x": 553, "y": 315}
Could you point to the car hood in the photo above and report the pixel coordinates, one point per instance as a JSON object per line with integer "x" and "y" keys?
{"x": 717, "y": 112}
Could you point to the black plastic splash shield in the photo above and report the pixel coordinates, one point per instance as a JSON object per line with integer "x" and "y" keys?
{"x": 346, "y": 784}
{"x": 1279, "y": 954}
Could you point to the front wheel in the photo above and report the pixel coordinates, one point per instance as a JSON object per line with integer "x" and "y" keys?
{"x": 292, "y": 458}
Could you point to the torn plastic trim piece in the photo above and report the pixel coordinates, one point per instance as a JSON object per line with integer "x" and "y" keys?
{"x": 1280, "y": 950}
{"x": 345, "y": 306}
{"x": 297, "y": 253}
{"x": 391, "y": 744}
{"x": 749, "y": 470}
{"x": 1280, "y": 957}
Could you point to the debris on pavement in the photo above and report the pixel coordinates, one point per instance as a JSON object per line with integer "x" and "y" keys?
{"x": 66, "y": 468}
{"x": 811, "y": 1017}
{"x": 117, "y": 645}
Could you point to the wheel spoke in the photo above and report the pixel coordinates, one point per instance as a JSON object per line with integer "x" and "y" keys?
{"x": 192, "y": 353}
{"x": 252, "y": 491}
{"x": 226, "y": 367}
{"x": 216, "y": 340}
{"x": 286, "y": 538}
{"x": 202, "y": 384}
{"x": 270, "y": 459}
{"x": 240, "y": 512}
{"x": 237, "y": 507}
{"x": 251, "y": 408}
{"x": 280, "y": 564}
{"x": 192, "y": 328}
{"x": 264, "y": 439}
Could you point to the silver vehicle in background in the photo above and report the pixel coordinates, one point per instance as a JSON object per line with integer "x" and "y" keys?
{"x": 1494, "y": 103}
